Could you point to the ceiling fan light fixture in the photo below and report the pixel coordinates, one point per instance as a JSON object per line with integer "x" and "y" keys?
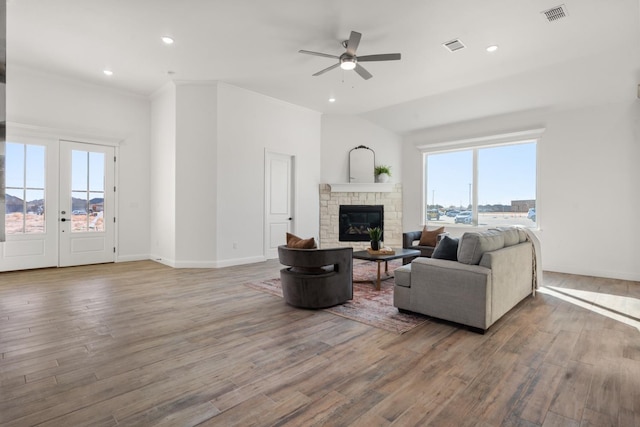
{"x": 348, "y": 63}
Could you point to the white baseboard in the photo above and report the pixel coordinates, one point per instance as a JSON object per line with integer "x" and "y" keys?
{"x": 195, "y": 264}
{"x": 207, "y": 264}
{"x": 127, "y": 258}
{"x": 239, "y": 261}
{"x": 621, "y": 275}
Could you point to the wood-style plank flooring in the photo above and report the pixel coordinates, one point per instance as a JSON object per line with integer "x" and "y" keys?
{"x": 142, "y": 344}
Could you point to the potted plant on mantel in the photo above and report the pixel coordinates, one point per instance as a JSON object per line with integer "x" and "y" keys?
{"x": 382, "y": 173}
{"x": 375, "y": 235}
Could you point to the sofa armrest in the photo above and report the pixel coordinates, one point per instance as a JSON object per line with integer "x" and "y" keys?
{"x": 409, "y": 237}
{"x": 512, "y": 276}
{"x": 452, "y": 291}
{"x": 448, "y": 271}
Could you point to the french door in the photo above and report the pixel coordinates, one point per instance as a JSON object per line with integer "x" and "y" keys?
{"x": 31, "y": 166}
{"x": 59, "y": 203}
{"x": 86, "y": 204}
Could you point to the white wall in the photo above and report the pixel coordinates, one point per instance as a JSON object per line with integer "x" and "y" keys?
{"x": 38, "y": 99}
{"x": 588, "y": 183}
{"x": 162, "y": 172}
{"x": 196, "y": 174}
{"x": 342, "y": 133}
{"x": 208, "y": 151}
{"x": 249, "y": 124}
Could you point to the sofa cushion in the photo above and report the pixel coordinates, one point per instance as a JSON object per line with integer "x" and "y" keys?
{"x": 298, "y": 243}
{"x": 522, "y": 234}
{"x": 511, "y": 235}
{"x": 429, "y": 237}
{"x": 475, "y": 243}
{"x": 447, "y": 249}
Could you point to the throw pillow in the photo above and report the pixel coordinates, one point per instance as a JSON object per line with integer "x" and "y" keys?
{"x": 298, "y": 243}
{"x": 429, "y": 238}
{"x": 447, "y": 249}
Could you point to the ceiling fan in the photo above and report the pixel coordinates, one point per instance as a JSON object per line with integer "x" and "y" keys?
{"x": 349, "y": 60}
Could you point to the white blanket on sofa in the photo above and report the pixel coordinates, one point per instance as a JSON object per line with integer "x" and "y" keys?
{"x": 536, "y": 280}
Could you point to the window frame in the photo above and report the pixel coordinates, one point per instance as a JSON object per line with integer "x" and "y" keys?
{"x": 474, "y": 145}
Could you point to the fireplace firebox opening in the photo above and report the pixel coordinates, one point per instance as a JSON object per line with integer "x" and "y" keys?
{"x": 356, "y": 219}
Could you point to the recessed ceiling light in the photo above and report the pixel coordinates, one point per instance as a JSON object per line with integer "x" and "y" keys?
{"x": 107, "y": 72}
{"x": 167, "y": 40}
{"x": 332, "y": 100}
{"x": 492, "y": 48}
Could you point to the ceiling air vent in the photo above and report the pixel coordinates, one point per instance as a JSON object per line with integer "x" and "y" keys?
{"x": 556, "y": 13}
{"x": 454, "y": 45}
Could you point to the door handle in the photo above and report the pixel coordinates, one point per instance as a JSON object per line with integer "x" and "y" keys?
{"x": 64, "y": 219}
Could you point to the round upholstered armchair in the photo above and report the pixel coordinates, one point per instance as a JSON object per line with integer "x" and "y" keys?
{"x": 316, "y": 278}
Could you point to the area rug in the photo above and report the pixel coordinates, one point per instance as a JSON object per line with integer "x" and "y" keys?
{"x": 374, "y": 308}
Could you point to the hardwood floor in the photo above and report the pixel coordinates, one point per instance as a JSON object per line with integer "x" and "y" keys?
{"x": 137, "y": 344}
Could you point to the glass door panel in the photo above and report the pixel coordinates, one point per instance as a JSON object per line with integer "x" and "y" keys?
{"x": 25, "y": 189}
{"x": 87, "y": 193}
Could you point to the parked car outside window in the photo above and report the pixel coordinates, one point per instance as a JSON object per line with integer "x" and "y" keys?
{"x": 433, "y": 214}
{"x": 532, "y": 214}
{"x": 463, "y": 217}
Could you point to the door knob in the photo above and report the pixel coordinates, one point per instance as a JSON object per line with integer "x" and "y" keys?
{"x": 63, "y": 219}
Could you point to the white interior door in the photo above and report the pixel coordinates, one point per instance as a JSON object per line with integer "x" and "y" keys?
{"x": 86, "y": 204}
{"x": 278, "y": 201}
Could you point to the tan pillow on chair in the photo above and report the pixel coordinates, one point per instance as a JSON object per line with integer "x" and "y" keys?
{"x": 298, "y": 243}
{"x": 429, "y": 238}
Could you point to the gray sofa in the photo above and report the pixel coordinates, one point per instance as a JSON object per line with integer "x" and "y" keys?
{"x": 493, "y": 273}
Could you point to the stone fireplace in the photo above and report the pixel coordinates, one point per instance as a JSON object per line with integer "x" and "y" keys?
{"x": 388, "y": 196}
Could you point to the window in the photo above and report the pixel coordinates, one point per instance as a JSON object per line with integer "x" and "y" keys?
{"x": 483, "y": 186}
{"x": 24, "y": 203}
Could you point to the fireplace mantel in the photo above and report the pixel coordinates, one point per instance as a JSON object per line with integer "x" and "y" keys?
{"x": 362, "y": 187}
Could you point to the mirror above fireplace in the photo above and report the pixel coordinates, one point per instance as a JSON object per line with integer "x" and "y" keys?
{"x": 362, "y": 162}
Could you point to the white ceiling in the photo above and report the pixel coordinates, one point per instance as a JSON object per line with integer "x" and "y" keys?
{"x": 593, "y": 55}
